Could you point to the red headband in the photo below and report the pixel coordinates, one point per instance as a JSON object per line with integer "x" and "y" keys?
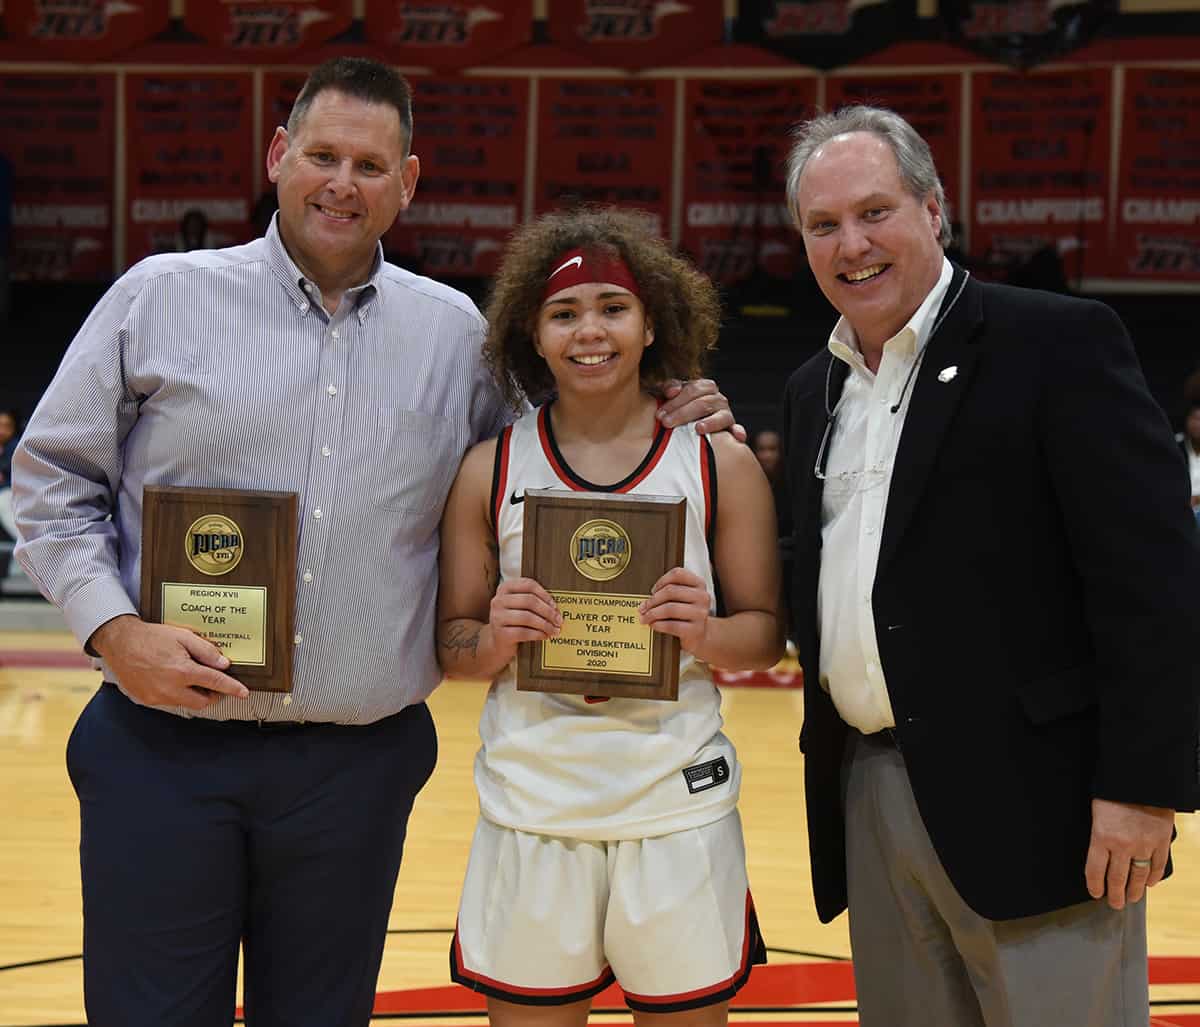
{"x": 579, "y": 266}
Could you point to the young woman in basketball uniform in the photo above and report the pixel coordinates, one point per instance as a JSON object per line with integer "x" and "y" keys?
{"x": 609, "y": 845}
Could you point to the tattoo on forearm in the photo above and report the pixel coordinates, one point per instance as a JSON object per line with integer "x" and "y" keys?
{"x": 459, "y": 637}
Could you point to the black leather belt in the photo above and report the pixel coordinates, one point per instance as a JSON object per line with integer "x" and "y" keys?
{"x": 887, "y": 737}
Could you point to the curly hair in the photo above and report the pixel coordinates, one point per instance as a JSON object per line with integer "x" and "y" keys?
{"x": 680, "y": 302}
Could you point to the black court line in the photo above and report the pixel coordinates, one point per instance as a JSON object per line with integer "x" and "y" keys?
{"x": 427, "y": 930}
{"x": 41, "y": 962}
{"x": 811, "y": 955}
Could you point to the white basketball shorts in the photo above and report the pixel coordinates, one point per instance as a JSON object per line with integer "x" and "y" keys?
{"x": 550, "y": 921}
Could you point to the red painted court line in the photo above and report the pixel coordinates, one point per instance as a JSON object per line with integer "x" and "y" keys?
{"x": 43, "y": 658}
{"x": 786, "y": 984}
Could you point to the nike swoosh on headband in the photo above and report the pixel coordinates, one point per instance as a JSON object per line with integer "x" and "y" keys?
{"x": 576, "y": 261}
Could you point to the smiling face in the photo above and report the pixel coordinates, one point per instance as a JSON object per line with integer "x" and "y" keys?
{"x": 592, "y": 336}
{"x": 872, "y": 245}
{"x": 341, "y": 178}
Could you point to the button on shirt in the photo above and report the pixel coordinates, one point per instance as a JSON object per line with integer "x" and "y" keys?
{"x": 858, "y": 475}
{"x": 221, "y": 369}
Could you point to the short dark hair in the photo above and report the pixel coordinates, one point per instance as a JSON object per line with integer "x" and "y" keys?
{"x": 363, "y": 79}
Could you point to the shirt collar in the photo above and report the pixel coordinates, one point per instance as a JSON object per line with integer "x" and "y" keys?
{"x": 304, "y": 292}
{"x": 906, "y": 343}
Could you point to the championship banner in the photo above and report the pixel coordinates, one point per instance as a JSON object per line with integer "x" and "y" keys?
{"x": 1040, "y": 170}
{"x": 81, "y": 30}
{"x": 59, "y": 138}
{"x": 279, "y": 92}
{"x": 448, "y": 35}
{"x": 1027, "y": 33}
{"x": 824, "y": 33}
{"x": 635, "y": 33}
{"x": 606, "y": 141}
{"x": 1158, "y": 213}
{"x": 188, "y": 150}
{"x": 470, "y": 135}
{"x": 262, "y": 28}
{"x": 931, "y": 103}
{"x": 735, "y": 218}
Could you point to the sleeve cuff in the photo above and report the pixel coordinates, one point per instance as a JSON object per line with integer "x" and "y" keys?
{"x": 96, "y": 603}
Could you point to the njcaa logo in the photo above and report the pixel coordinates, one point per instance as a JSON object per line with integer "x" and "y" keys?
{"x": 600, "y": 550}
{"x": 214, "y": 544}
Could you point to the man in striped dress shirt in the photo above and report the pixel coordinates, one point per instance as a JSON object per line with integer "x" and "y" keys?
{"x": 300, "y": 362}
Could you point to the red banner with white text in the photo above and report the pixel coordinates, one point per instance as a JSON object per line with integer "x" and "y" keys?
{"x": 448, "y": 35}
{"x": 188, "y": 149}
{"x": 1040, "y": 149}
{"x": 1158, "y": 216}
{"x": 606, "y": 141}
{"x": 735, "y": 218}
{"x": 79, "y": 30}
{"x": 470, "y": 135}
{"x": 931, "y": 103}
{"x": 58, "y": 133}
{"x": 263, "y": 30}
{"x": 635, "y": 33}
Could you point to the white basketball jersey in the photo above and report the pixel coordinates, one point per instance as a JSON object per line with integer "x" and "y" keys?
{"x": 616, "y": 769}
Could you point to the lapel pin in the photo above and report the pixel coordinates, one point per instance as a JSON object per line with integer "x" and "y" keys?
{"x": 947, "y": 373}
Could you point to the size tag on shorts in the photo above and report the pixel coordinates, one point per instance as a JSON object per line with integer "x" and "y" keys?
{"x": 706, "y": 775}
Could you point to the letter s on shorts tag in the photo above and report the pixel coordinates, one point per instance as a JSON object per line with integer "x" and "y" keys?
{"x": 706, "y": 775}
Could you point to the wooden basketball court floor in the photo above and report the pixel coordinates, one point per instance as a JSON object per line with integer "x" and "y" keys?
{"x": 44, "y": 682}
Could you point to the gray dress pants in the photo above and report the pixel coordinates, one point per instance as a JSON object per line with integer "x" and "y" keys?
{"x": 923, "y": 958}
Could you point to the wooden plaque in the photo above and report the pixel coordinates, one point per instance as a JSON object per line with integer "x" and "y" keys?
{"x": 223, "y": 563}
{"x": 599, "y": 554}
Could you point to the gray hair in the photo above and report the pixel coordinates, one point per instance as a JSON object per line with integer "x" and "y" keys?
{"x": 912, "y": 153}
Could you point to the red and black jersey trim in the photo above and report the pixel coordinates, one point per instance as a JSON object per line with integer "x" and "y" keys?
{"x": 500, "y": 478}
{"x": 523, "y": 996}
{"x": 754, "y": 953}
{"x": 574, "y": 481}
{"x": 708, "y": 478}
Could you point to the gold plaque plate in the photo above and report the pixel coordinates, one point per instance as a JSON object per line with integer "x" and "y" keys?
{"x": 599, "y": 554}
{"x": 222, "y": 562}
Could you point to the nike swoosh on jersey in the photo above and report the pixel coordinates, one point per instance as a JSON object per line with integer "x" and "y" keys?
{"x": 514, "y": 499}
{"x": 575, "y": 261}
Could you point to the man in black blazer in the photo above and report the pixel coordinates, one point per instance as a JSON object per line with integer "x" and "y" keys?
{"x": 994, "y": 604}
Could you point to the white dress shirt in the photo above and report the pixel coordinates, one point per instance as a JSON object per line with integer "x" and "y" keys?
{"x": 858, "y": 477}
{"x": 1193, "y": 467}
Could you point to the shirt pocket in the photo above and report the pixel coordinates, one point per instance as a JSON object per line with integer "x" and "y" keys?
{"x": 417, "y": 461}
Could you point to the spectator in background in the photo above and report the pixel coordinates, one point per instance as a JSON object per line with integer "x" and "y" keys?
{"x": 193, "y": 231}
{"x": 768, "y": 448}
{"x": 264, "y": 210}
{"x": 1190, "y": 444}
{"x": 9, "y": 437}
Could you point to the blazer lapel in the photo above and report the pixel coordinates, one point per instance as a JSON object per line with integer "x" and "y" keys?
{"x": 934, "y": 401}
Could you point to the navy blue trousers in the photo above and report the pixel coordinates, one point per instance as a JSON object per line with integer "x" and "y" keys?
{"x": 199, "y": 836}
